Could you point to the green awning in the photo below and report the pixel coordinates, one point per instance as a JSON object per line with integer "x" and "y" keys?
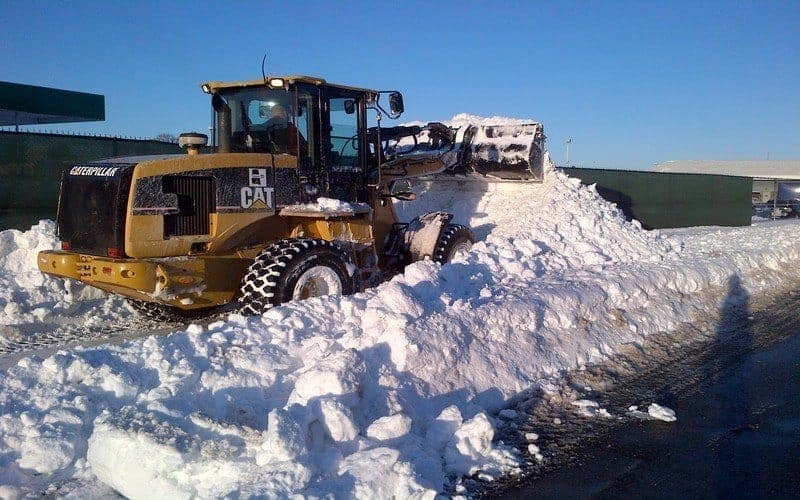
{"x": 29, "y": 105}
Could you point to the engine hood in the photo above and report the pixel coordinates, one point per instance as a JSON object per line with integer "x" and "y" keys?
{"x": 138, "y": 158}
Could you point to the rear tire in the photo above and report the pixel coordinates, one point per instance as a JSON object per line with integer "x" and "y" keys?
{"x": 294, "y": 269}
{"x": 168, "y": 314}
{"x": 454, "y": 238}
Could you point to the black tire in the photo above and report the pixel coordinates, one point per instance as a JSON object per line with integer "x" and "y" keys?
{"x": 272, "y": 278}
{"x": 453, "y": 237}
{"x": 168, "y": 314}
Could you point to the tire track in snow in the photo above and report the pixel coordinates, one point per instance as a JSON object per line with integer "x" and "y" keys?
{"x": 13, "y": 349}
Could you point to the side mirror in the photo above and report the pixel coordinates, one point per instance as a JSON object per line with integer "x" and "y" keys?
{"x": 396, "y": 103}
{"x": 350, "y": 106}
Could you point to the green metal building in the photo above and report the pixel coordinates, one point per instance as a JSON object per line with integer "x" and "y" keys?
{"x": 662, "y": 200}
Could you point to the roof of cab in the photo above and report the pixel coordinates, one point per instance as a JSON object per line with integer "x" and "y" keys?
{"x": 313, "y": 80}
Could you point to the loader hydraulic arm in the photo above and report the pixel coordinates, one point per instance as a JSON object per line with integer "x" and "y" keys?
{"x": 408, "y": 139}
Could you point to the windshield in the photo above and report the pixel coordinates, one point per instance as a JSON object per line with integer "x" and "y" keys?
{"x": 263, "y": 121}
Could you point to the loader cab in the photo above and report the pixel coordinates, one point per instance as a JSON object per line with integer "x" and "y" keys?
{"x": 322, "y": 125}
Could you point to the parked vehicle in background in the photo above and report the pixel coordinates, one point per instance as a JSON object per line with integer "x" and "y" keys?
{"x": 777, "y": 210}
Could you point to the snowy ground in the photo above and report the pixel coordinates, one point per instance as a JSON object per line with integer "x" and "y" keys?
{"x": 395, "y": 391}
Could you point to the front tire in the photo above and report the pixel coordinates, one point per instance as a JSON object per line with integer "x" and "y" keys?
{"x": 294, "y": 269}
{"x": 455, "y": 238}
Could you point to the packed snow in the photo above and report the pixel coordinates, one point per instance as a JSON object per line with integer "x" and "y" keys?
{"x": 463, "y": 119}
{"x": 31, "y": 302}
{"x": 391, "y": 392}
{"x": 325, "y": 206}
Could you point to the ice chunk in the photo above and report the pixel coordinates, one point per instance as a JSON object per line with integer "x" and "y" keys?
{"x": 194, "y": 328}
{"x": 46, "y": 454}
{"x": 442, "y": 429}
{"x": 470, "y": 443}
{"x": 389, "y": 427}
{"x": 663, "y": 413}
{"x": 286, "y": 438}
{"x": 337, "y": 420}
{"x": 337, "y": 374}
{"x": 535, "y": 452}
{"x": 380, "y": 473}
{"x": 531, "y": 436}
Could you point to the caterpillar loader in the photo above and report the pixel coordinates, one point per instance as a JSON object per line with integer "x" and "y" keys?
{"x": 294, "y": 200}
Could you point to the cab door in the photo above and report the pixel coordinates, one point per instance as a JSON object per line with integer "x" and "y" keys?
{"x": 344, "y": 150}
{"x": 307, "y": 121}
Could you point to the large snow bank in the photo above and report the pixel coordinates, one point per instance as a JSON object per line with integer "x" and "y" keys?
{"x": 390, "y": 392}
{"x": 31, "y": 302}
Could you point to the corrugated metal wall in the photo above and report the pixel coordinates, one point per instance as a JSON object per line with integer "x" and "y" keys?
{"x": 661, "y": 200}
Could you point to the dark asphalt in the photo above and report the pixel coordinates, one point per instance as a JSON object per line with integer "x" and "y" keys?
{"x": 737, "y": 433}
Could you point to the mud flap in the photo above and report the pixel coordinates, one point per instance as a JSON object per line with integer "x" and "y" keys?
{"x": 423, "y": 233}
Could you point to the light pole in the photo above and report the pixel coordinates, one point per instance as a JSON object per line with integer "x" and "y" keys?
{"x": 568, "y": 142}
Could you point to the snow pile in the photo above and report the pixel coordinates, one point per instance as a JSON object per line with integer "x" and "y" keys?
{"x": 540, "y": 228}
{"x": 21, "y": 283}
{"x": 391, "y": 392}
{"x": 325, "y": 206}
{"x": 463, "y": 119}
{"x": 29, "y": 298}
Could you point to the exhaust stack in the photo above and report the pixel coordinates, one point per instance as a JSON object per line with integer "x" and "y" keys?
{"x": 223, "y": 122}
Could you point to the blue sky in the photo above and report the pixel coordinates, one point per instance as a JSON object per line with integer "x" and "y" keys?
{"x": 633, "y": 83}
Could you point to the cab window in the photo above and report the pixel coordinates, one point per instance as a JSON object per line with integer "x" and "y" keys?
{"x": 305, "y": 124}
{"x": 344, "y": 134}
{"x": 262, "y": 121}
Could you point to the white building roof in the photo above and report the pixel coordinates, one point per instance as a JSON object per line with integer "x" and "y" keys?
{"x": 763, "y": 169}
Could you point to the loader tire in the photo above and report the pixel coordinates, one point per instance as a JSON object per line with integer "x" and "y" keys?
{"x": 168, "y": 314}
{"x": 294, "y": 269}
{"x": 454, "y": 238}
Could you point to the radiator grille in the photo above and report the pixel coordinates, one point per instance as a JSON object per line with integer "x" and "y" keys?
{"x": 196, "y": 201}
{"x": 91, "y": 209}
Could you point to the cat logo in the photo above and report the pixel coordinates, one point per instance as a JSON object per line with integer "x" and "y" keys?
{"x": 255, "y": 197}
{"x": 258, "y": 177}
{"x": 257, "y": 194}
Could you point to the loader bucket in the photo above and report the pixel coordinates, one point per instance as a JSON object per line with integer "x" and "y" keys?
{"x": 503, "y": 151}
{"x": 510, "y": 152}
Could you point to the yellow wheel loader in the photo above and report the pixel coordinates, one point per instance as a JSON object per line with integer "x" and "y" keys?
{"x": 294, "y": 201}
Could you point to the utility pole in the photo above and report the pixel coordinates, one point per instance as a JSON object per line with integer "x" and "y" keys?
{"x": 568, "y": 142}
